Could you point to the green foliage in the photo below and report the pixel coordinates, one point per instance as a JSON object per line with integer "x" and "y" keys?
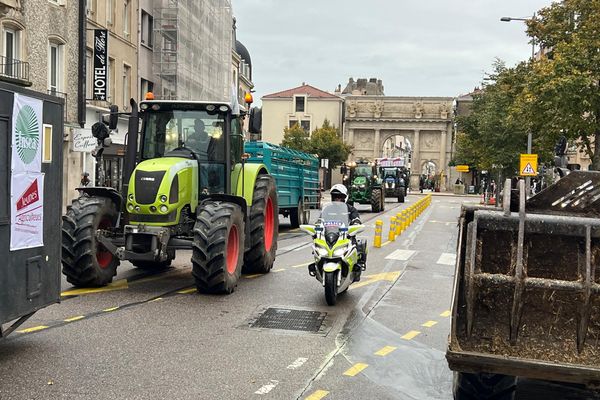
{"x": 557, "y": 94}
{"x": 327, "y": 143}
{"x": 296, "y": 138}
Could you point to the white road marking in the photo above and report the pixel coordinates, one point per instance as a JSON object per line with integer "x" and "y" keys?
{"x": 303, "y": 247}
{"x": 447, "y": 259}
{"x": 298, "y": 363}
{"x": 401, "y": 255}
{"x": 267, "y": 388}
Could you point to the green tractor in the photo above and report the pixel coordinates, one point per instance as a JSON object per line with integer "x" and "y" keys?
{"x": 188, "y": 187}
{"x": 364, "y": 186}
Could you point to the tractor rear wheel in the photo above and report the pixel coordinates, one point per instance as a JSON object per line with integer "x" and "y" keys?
{"x": 376, "y": 201}
{"x": 85, "y": 262}
{"x": 218, "y": 248}
{"x": 264, "y": 227}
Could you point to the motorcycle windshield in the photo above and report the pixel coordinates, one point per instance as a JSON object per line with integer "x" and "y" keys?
{"x": 335, "y": 215}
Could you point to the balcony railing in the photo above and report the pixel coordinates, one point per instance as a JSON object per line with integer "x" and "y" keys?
{"x": 14, "y": 70}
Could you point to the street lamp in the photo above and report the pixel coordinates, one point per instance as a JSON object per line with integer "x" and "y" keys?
{"x": 529, "y": 135}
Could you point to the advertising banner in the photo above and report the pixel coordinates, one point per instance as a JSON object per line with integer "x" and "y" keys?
{"x": 100, "y": 74}
{"x": 27, "y": 211}
{"x": 26, "y": 135}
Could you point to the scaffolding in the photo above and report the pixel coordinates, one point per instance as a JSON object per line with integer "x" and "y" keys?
{"x": 192, "y": 55}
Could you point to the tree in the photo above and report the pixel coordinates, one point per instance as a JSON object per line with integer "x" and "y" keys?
{"x": 327, "y": 143}
{"x": 563, "y": 91}
{"x": 296, "y": 138}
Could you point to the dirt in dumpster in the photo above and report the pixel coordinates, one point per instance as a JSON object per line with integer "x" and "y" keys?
{"x": 550, "y": 318}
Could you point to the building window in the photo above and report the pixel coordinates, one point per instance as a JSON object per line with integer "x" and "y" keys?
{"x": 112, "y": 81}
{"x": 55, "y": 67}
{"x": 293, "y": 123}
{"x": 12, "y": 52}
{"x": 304, "y": 124}
{"x": 126, "y": 19}
{"x": 126, "y": 86}
{"x": 110, "y": 10}
{"x": 147, "y": 28}
{"x": 300, "y": 103}
{"x": 90, "y": 7}
{"x": 145, "y": 87}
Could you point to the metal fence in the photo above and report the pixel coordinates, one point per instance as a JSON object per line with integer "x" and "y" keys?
{"x": 14, "y": 68}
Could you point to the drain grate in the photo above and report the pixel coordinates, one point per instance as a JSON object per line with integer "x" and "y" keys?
{"x": 290, "y": 320}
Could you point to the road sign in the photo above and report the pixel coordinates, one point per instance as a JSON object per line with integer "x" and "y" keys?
{"x": 528, "y": 165}
{"x": 462, "y": 168}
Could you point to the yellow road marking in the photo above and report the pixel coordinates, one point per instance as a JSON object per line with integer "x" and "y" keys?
{"x": 411, "y": 335}
{"x": 429, "y": 324}
{"x": 77, "y": 318}
{"x": 279, "y": 270}
{"x": 318, "y": 395}
{"x": 253, "y": 276}
{"x": 187, "y": 291}
{"x": 33, "y": 329}
{"x": 355, "y": 369}
{"x": 446, "y": 313}
{"x": 117, "y": 285}
{"x": 300, "y": 265}
{"x": 384, "y": 351}
{"x": 386, "y": 276}
{"x": 153, "y": 300}
{"x": 111, "y": 309}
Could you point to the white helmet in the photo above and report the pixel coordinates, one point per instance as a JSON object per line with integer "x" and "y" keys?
{"x": 339, "y": 189}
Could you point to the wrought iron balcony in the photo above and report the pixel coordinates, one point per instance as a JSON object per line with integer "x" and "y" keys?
{"x": 15, "y": 71}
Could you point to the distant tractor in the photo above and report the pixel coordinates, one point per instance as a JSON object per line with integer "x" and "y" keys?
{"x": 364, "y": 185}
{"x": 395, "y": 176}
{"x": 191, "y": 189}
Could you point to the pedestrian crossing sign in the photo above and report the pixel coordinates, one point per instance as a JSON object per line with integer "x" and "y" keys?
{"x": 528, "y": 165}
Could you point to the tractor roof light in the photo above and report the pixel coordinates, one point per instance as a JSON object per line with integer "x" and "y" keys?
{"x": 149, "y": 96}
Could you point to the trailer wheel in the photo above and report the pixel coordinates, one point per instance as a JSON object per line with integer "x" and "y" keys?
{"x": 299, "y": 215}
{"x": 264, "y": 227}
{"x": 484, "y": 386}
{"x": 153, "y": 265}
{"x": 218, "y": 248}
{"x": 84, "y": 261}
{"x": 376, "y": 200}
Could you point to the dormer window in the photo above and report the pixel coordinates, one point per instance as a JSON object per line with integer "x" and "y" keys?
{"x": 300, "y": 103}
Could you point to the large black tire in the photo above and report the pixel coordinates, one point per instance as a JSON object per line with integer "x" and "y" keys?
{"x": 84, "y": 261}
{"x": 484, "y": 386}
{"x": 331, "y": 287}
{"x": 264, "y": 227}
{"x": 296, "y": 215}
{"x": 218, "y": 248}
{"x": 376, "y": 200}
{"x": 155, "y": 265}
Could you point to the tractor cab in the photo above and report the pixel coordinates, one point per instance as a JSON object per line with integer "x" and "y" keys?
{"x": 364, "y": 185}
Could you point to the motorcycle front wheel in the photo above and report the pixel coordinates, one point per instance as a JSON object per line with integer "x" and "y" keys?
{"x": 331, "y": 287}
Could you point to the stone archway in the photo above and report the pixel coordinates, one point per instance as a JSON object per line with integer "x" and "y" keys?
{"x": 424, "y": 122}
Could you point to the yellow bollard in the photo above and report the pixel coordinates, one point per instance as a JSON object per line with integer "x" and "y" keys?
{"x": 392, "y": 234}
{"x": 398, "y": 224}
{"x": 378, "y": 229}
{"x": 404, "y": 220}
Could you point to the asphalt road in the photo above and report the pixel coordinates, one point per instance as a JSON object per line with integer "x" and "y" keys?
{"x": 152, "y": 336}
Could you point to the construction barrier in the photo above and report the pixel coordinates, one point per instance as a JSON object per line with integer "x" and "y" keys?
{"x": 378, "y": 229}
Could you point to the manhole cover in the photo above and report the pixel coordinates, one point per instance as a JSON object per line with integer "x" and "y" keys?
{"x": 290, "y": 320}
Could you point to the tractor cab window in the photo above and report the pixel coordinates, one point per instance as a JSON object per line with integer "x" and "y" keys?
{"x": 364, "y": 170}
{"x": 170, "y": 132}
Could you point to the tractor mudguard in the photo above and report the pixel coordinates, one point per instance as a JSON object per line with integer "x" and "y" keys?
{"x": 243, "y": 183}
{"x": 106, "y": 192}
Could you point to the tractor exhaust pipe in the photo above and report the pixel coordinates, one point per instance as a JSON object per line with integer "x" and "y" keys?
{"x": 132, "y": 145}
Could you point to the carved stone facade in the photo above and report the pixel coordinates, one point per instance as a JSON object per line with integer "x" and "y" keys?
{"x": 425, "y": 122}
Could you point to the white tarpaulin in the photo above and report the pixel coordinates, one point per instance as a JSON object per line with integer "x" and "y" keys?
{"x": 27, "y": 134}
{"x": 27, "y": 211}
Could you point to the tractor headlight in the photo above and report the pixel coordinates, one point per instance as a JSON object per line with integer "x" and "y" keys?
{"x": 137, "y": 208}
{"x": 131, "y": 197}
{"x": 321, "y": 251}
{"x": 164, "y": 209}
{"x": 163, "y": 199}
{"x": 362, "y": 186}
{"x": 152, "y": 208}
{"x": 340, "y": 251}
{"x": 130, "y": 207}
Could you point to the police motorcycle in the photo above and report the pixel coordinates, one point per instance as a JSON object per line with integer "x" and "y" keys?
{"x": 339, "y": 257}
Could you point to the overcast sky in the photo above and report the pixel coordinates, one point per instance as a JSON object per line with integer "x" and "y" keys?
{"x": 418, "y": 48}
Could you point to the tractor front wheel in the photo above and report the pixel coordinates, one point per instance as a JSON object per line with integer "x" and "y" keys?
{"x": 218, "y": 248}
{"x": 376, "y": 201}
{"x": 264, "y": 227}
{"x": 85, "y": 262}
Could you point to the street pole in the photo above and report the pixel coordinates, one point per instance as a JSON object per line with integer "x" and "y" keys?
{"x": 527, "y": 178}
